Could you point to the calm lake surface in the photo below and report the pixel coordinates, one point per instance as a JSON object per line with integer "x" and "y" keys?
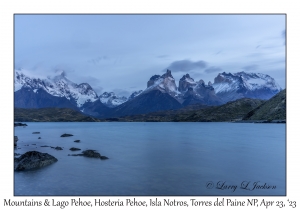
{"x": 156, "y": 159}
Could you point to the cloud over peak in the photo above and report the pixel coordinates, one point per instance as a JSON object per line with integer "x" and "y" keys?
{"x": 186, "y": 65}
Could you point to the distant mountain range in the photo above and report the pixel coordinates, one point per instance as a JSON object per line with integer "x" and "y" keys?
{"x": 240, "y": 110}
{"x": 161, "y": 93}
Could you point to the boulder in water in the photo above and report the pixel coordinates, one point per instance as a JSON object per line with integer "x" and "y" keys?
{"x": 33, "y": 160}
{"x": 91, "y": 153}
{"x": 66, "y": 135}
{"x": 74, "y": 149}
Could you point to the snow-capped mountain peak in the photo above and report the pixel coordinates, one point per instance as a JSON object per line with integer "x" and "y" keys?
{"x": 58, "y": 86}
{"x": 241, "y": 84}
{"x": 165, "y": 83}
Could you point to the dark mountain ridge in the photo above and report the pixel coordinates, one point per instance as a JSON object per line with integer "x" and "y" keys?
{"x": 27, "y": 98}
{"x": 152, "y": 101}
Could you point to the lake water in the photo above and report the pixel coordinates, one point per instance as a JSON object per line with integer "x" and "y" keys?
{"x": 156, "y": 159}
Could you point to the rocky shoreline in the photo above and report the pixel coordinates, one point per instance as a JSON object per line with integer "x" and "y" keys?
{"x": 33, "y": 160}
{"x": 19, "y": 124}
{"x": 260, "y": 121}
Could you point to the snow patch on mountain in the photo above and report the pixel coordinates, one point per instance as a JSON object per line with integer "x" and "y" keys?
{"x": 111, "y": 99}
{"x": 225, "y": 87}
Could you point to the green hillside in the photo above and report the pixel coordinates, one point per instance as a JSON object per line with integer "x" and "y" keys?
{"x": 230, "y": 111}
{"x": 273, "y": 109}
{"x": 51, "y": 115}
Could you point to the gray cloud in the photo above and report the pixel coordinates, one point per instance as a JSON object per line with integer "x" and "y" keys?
{"x": 217, "y": 53}
{"x": 98, "y": 90}
{"x": 97, "y": 59}
{"x": 250, "y": 67}
{"x": 62, "y": 68}
{"x": 213, "y": 69}
{"x": 186, "y": 65}
{"x": 162, "y": 56}
{"x": 93, "y": 82}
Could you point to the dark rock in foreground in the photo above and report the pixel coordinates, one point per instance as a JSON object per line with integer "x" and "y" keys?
{"x": 15, "y": 140}
{"x": 33, "y": 160}
{"x": 66, "y": 135}
{"x": 91, "y": 153}
{"x": 103, "y": 157}
{"x": 74, "y": 149}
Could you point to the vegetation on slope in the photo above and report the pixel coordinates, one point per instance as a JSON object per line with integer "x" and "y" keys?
{"x": 273, "y": 109}
{"x": 51, "y": 115}
{"x": 230, "y": 111}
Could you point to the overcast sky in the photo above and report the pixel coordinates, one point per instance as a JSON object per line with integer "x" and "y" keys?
{"x": 121, "y": 52}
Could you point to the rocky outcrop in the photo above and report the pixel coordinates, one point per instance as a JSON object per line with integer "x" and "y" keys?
{"x": 103, "y": 157}
{"x": 35, "y": 132}
{"x": 19, "y": 124}
{"x": 186, "y": 82}
{"x": 167, "y": 74}
{"x": 66, "y": 135}
{"x": 15, "y": 140}
{"x": 33, "y": 160}
{"x": 207, "y": 93}
{"x": 77, "y": 141}
{"x": 196, "y": 92}
{"x": 74, "y": 149}
{"x": 152, "y": 80}
{"x": 91, "y": 154}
